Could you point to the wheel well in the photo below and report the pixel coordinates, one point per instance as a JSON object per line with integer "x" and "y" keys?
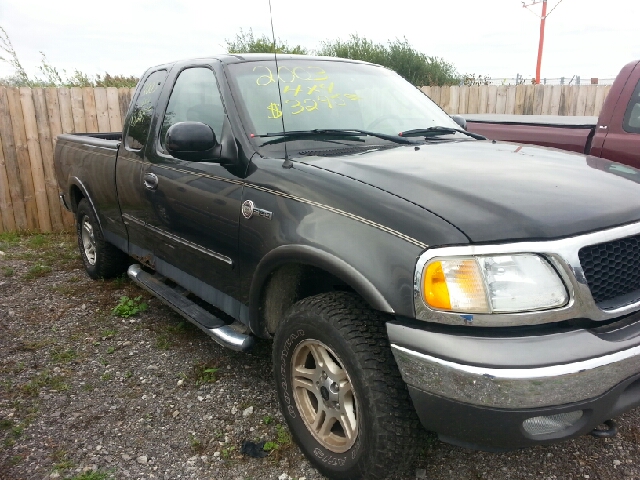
{"x": 75, "y": 195}
{"x": 290, "y": 283}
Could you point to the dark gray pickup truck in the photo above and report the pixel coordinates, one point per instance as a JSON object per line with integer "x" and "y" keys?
{"x": 407, "y": 271}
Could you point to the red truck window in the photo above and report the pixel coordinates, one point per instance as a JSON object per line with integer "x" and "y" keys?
{"x": 631, "y": 122}
{"x": 142, "y": 111}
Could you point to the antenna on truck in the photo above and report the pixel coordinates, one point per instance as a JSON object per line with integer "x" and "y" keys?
{"x": 287, "y": 162}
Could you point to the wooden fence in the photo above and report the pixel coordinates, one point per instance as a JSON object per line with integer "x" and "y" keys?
{"x": 30, "y": 120}
{"x": 521, "y": 99}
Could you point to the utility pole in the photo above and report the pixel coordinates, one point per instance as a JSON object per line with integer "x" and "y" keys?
{"x": 543, "y": 19}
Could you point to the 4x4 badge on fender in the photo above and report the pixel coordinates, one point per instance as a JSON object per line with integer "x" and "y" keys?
{"x": 249, "y": 210}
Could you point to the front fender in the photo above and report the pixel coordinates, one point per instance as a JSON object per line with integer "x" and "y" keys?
{"x": 307, "y": 255}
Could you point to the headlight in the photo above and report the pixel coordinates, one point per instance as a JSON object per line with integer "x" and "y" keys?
{"x": 492, "y": 284}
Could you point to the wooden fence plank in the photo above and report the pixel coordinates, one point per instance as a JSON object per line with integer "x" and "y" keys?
{"x": 89, "y": 102}
{"x": 492, "y": 99}
{"x": 591, "y": 100}
{"x": 77, "y": 109}
{"x": 66, "y": 114}
{"x": 463, "y": 102}
{"x": 581, "y": 102}
{"x": 474, "y": 98}
{"x": 435, "y": 94}
{"x": 510, "y": 106}
{"x": 483, "y": 96}
{"x": 46, "y": 148}
{"x": 11, "y": 163}
{"x": 599, "y": 101}
{"x": 454, "y": 100}
{"x": 55, "y": 126}
{"x": 6, "y": 204}
{"x": 528, "y": 99}
{"x": 102, "y": 110}
{"x": 115, "y": 120}
{"x": 426, "y": 90}
{"x": 35, "y": 158}
{"x": 565, "y": 100}
{"x": 124, "y": 97}
{"x": 520, "y": 99}
{"x": 501, "y": 99}
{"x": 538, "y": 99}
{"x": 445, "y": 91}
{"x": 24, "y": 161}
{"x": 554, "y": 103}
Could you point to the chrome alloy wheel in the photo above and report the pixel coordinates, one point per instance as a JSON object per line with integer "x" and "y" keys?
{"x": 88, "y": 241}
{"x": 324, "y": 396}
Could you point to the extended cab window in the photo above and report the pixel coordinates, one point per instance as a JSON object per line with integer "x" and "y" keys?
{"x": 142, "y": 111}
{"x": 631, "y": 122}
{"x": 195, "y": 98}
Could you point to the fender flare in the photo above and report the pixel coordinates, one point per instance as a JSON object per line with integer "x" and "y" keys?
{"x": 75, "y": 181}
{"x": 307, "y": 255}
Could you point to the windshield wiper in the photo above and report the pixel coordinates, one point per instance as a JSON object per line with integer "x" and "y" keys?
{"x": 333, "y": 133}
{"x": 437, "y": 131}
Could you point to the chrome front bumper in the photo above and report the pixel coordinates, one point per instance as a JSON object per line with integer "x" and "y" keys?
{"x": 514, "y": 373}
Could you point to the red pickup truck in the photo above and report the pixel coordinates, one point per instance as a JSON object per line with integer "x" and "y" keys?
{"x": 614, "y": 135}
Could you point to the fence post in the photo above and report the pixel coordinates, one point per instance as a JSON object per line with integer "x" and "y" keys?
{"x": 578, "y": 80}
{"x": 561, "y": 80}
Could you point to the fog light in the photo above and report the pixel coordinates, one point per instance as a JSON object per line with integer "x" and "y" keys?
{"x": 552, "y": 423}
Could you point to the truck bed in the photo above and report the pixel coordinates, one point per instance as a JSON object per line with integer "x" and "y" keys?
{"x": 567, "y": 133}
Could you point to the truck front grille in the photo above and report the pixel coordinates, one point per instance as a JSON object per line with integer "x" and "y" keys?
{"x": 612, "y": 269}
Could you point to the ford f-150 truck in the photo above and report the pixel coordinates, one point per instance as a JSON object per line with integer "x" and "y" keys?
{"x": 404, "y": 268}
{"x": 614, "y": 135}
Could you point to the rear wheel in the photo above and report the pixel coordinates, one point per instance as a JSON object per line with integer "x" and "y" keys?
{"x": 100, "y": 259}
{"x": 340, "y": 390}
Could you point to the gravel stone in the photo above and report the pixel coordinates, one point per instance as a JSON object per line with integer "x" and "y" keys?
{"x": 73, "y": 380}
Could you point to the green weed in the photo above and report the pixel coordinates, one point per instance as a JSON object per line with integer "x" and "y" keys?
{"x": 204, "y": 373}
{"x": 37, "y": 271}
{"x": 128, "y": 307}
{"x": 97, "y": 475}
{"x": 110, "y": 350}
{"x": 63, "y": 356}
{"x": 267, "y": 420}
{"x": 7, "y": 271}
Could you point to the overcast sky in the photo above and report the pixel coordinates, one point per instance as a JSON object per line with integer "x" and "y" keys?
{"x": 498, "y": 38}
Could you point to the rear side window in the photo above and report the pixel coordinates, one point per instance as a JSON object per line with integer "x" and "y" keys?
{"x": 631, "y": 122}
{"x": 142, "y": 111}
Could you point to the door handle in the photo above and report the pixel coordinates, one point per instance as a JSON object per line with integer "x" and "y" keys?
{"x": 150, "y": 181}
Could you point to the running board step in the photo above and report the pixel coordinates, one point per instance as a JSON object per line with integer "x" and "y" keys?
{"x": 222, "y": 333}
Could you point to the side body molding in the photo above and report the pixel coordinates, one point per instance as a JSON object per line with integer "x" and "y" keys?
{"x": 307, "y": 255}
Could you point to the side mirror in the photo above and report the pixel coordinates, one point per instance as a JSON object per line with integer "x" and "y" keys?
{"x": 460, "y": 121}
{"x": 191, "y": 141}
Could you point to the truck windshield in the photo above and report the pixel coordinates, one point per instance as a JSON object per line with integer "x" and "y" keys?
{"x": 319, "y": 94}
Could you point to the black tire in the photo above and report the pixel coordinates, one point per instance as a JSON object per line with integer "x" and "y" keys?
{"x": 387, "y": 425}
{"x": 106, "y": 261}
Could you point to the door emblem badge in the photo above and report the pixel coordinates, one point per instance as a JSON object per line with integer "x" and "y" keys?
{"x": 249, "y": 210}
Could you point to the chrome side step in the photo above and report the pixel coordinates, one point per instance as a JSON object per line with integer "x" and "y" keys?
{"x": 222, "y": 333}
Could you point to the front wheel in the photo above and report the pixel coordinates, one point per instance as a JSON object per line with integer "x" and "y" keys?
{"x": 100, "y": 258}
{"x": 340, "y": 390}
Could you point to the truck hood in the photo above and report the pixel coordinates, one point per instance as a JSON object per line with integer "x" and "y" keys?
{"x": 501, "y": 191}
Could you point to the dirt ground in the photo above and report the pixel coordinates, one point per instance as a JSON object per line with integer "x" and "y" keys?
{"x": 86, "y": 394}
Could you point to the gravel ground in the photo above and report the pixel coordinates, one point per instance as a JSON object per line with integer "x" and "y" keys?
{"x": 85, "y": 394}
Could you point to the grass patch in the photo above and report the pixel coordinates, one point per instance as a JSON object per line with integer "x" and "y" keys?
{"x": 37, "y": 241}
{"x": 97, "y": 475}
{"x": 43, "y": 379}
{"x": 8, "y": 271}
{"x": 8, "y": 239}
{"x": 163, "y": 342}
{"x": 128, "y": 307}
{"x": 63, "y": 356}
{"x": 37, "y": 271}
{"x": 5, "y": 424}
{"x": 203, "y": 373}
